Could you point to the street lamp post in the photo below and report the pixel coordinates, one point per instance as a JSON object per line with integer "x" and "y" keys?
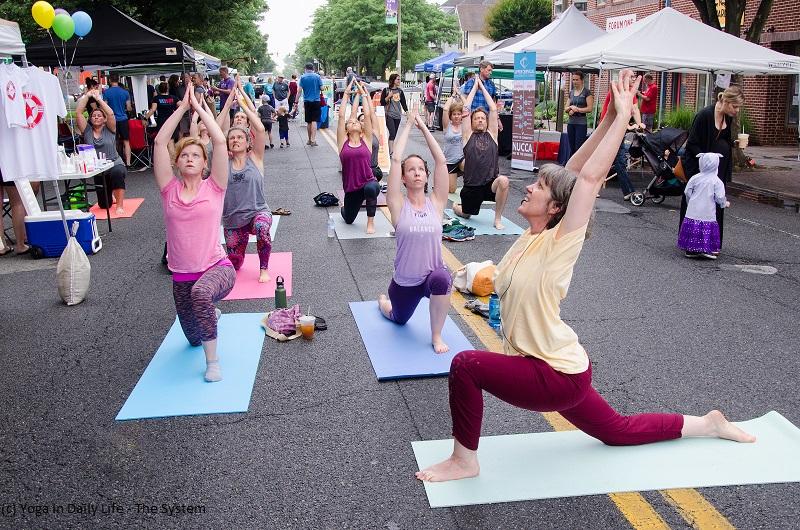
{"x": 399, "y": 22}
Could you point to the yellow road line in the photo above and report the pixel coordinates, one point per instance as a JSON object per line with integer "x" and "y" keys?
{"x": 696, "y": 510}
{"x": 689, "y": 503}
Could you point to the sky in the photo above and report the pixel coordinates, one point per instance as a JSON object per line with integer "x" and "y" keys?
{"x": 286, "y": 23}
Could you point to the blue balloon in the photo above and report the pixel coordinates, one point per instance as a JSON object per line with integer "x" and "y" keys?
{"x": 83, "y": 23}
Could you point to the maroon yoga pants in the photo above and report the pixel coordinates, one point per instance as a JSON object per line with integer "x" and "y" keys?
{"x": 531, "y": 383}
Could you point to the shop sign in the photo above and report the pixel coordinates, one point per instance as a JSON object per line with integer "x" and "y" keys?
{"x": 620, "y": 22}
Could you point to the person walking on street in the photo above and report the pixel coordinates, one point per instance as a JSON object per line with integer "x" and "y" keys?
{"x": 309, "y": 89}
{"x": 543, "y": 366}
{"x": 620, "y": 167}
{"x": 293, "y": 96}
{"x": 393, "y": 100}
{"x": 581, "y": 102}
{"x": 225, "y": 89}
{"x": 267, "y": 115}
{"x": 699, "y": 235}
{"x": 431, "y": 91}
{"x": 649, "y": 96}
{"x": 119, "y": 100}
{"x": 280, "y": 90}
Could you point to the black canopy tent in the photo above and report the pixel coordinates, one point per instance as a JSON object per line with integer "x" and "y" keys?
{"x": 115, "y": 40}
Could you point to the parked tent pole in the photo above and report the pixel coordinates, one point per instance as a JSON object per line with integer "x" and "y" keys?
{"x": 399, "y": 34}
{"x": 662, "y": 96}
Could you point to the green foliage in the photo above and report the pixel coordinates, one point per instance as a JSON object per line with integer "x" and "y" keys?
{"x": 679, "y": 118}
{"x": 351, "y": 32}
{"x": 509, "y": 17}
{"x": 226, "y": 29}
{"x": 745, "y": 123}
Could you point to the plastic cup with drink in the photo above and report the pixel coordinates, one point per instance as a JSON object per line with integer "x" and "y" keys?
{"x": 307, "y": 326}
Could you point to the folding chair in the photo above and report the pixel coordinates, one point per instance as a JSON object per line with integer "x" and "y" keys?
{"x": 140, "y": 146}
{"x": 7, "y": 213}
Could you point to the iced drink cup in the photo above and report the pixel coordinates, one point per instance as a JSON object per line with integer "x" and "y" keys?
{"x": 307, "y": 326}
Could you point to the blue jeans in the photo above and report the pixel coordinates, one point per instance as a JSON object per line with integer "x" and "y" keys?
{"x": 621, "y": 169}
{"x": 576, "y": 132}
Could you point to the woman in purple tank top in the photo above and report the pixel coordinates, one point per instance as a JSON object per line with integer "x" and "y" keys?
{"x": 418, "y": 267}
{"x": 354, "y": 139}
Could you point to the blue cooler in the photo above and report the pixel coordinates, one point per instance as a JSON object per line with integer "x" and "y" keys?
{"x": 46, "y": 233}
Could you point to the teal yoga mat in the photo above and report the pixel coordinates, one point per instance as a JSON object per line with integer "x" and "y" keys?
{"x": 570, "y": 464}
{"x": 173, "y": 384}
{"x": 483, "y": 223}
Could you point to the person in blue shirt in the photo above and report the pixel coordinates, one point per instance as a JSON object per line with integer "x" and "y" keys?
{"x": 485, "y": 73}
{"x": 119, "y": 100}
{"x": 310, "y": 86}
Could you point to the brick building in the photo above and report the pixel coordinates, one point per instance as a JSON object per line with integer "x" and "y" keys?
{"x": 772, "y": 101}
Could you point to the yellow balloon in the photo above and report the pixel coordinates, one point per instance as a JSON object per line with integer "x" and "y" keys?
{"x": 43, "y": 13}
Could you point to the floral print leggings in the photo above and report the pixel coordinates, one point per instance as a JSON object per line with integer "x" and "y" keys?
{"x": 236, "y": 240}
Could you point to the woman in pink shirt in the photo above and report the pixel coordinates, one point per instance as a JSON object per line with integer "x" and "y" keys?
{"x": 201, "y": 272}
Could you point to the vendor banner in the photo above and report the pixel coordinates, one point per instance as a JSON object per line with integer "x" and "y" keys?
{"x": 524, "y": 107}
{"x": 391, "y": 11}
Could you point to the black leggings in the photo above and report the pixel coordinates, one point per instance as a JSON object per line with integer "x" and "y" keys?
{"x": 393, "y": 124}
{"x": 116, "y": 181}
{"x": 720, "y": 214}
{"x": 353, "y": 200}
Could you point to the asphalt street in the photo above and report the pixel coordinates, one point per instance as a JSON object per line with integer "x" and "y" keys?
{"x": 324, "y": 445}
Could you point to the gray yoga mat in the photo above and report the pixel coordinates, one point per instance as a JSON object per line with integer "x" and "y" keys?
{"x": 570, "y": 464}
{"x": 358, "y": 230}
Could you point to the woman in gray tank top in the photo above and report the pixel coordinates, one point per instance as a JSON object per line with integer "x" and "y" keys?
{"x": 245, "y": 211}
{"x": 581, "y": 101}
{"x": 101, "y": 131}
{"x": 453, "y": 146}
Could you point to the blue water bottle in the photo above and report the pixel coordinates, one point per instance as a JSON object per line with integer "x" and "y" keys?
{"x": 494, "y": 311}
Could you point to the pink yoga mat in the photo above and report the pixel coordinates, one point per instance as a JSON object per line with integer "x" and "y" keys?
{"x": 247, "y": 286}
{"x": 381, "y": 199}
{"x": 131, "y": 205}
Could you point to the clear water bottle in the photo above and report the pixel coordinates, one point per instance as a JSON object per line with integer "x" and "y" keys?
{"x": 331, "y": 228}
{"x": 494, "y": 311}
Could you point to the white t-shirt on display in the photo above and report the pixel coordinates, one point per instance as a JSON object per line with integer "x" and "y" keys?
{"x": 12, "y": 82}
{"x": 31, "y": 152}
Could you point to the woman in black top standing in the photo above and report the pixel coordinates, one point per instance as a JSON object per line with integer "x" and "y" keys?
{"x": 581, "y": 101}
{"x": 393, "y": 100}
{"x": 711, "y": 133}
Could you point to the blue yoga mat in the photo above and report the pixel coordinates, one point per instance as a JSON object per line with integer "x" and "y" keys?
{"x": 173, "y": 384}
{"x": 483, "y": 223}
{"x": 399, "y": 352}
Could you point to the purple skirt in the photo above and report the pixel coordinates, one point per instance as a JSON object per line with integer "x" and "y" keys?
{"x": 699, "y": 236}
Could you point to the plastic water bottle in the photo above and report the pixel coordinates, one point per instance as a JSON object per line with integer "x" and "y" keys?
{"x": 331, "y": 228}
{"x": 494, "y": 311}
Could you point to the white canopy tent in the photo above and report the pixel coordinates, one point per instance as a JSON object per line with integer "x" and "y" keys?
{"x": 10, "y": 38}
{"x": 569, "y": 30}
{"x": 669, "y": 41}
{"x": 475, "y": 57}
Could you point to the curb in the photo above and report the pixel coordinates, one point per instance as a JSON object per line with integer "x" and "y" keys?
{"x": 772, "y": 198}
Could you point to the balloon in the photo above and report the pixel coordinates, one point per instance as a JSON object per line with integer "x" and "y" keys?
{"x": 59, "y": 11}
{"x": 83, "y": 23}
{"x": 43, "y": 13}
{"x": 63, "y": 26}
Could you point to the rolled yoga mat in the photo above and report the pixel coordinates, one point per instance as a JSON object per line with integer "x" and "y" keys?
{"x": 401, "y": 352}
{"x": 173, "y": 384}
{"x": 570, "y": 463}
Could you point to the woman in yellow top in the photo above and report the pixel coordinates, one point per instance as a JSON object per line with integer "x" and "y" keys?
{"x": 543, "y": 366}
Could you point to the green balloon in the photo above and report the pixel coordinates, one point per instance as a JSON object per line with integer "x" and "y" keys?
{"x": 63, "y": 26}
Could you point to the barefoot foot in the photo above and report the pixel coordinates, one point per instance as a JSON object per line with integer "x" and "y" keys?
{"x": 120, "y": 211}
{"x": 385, "y": 306}
{"x": 498, "y": 225}
{"x": 454, "y": 468}
{"x": 370, "y": 225}
{"x": 439, "y": 345}
{"x": 726, "y": 430}
{"x": 263, "y": 276}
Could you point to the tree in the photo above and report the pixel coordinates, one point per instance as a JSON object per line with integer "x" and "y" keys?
{"x": 354, "y": 33}
{"x": 734, "y": 12}
{"x": 509, "y": 17}
{"x": 226, "y": 29}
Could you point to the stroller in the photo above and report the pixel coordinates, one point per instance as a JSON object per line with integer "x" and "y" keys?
{"x": 660, "y": 149}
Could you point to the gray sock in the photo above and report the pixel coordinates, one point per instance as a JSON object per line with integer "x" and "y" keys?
{"x": 213, "y": 372}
